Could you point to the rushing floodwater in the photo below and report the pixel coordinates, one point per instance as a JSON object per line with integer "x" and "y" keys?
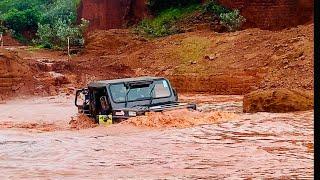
{"x": 261, "y": 145}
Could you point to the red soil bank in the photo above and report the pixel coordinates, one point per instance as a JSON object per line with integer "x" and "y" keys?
{"x": 273, "y": 14}
{"x": 265, "y": 14}
{"x": 15, "y": 75}
{"x": 178, "y": 119}
{"x": 9, "y": 41}
{"x": 110, "y": 14}
{"x": 277, "y": 59}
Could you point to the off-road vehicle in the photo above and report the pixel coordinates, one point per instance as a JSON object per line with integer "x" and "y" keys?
{"x": 119, "y": 99}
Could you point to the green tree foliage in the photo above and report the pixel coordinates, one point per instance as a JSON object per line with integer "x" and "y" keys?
{"x": 60, "y": 10}
{"x": 20, "y": 21}
{"x": 56, "y": 35}
{"x": 52, "y": 20}
{"x": 20, "y": 16}
{"x": 59, "y": 23}
{"x": 6, "y": 5}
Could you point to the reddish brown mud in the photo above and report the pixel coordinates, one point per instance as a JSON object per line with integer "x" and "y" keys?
{"x": 47, "y": 113}
{"x": 261, "y": 145}
{"x": 179, "y": 119}
{"x": 42, "y": 137}
{"x": 194, "y": 62}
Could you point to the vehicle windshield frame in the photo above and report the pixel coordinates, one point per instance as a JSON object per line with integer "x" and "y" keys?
{"x": 136, "y": 100}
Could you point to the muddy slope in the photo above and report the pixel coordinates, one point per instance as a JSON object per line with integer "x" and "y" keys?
{"x": 109, "y": 14}
{"x": 201, "y": 61}
{"x": 15, "y": 75}
{"x": 204, "y": 61}
{"x": 278, "y": 101}
{"x": 273, "y": 15}
{"x": 265, "y": 14}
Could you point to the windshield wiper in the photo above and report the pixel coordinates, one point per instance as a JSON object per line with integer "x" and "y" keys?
{"x": 126, "y": 97}
{"x": 151, "y": 96}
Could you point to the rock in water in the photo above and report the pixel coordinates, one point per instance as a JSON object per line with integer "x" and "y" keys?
{"x": 278, "y": 101}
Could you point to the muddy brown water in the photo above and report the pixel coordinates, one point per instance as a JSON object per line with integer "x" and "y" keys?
{"x": 261, "y": 145}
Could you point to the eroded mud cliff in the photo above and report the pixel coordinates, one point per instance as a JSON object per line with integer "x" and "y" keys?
{"x": 273, "y": 14}
{"x": 264, "y": 14}
{"x": 110, "y": 14}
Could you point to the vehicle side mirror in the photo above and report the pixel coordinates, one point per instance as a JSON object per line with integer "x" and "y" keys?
{"x": 78, "y": 94}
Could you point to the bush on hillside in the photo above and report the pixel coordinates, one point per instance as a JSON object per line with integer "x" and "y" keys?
{"x": 213, "y": 7}
{"x": 232, "y": 20}
{"x": 164, "y": 23}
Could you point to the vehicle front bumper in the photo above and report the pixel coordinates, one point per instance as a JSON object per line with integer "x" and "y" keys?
{"x": 127, "y": 113}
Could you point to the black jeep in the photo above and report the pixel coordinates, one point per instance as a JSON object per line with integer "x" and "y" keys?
{"x": 120, "y": 99}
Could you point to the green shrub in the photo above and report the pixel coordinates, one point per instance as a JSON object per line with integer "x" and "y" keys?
{"x": 215, "y": 8}
{"x": 232, "y": 20}
{"x": 45, "y": 36}
{"x": 165, "y": 23}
